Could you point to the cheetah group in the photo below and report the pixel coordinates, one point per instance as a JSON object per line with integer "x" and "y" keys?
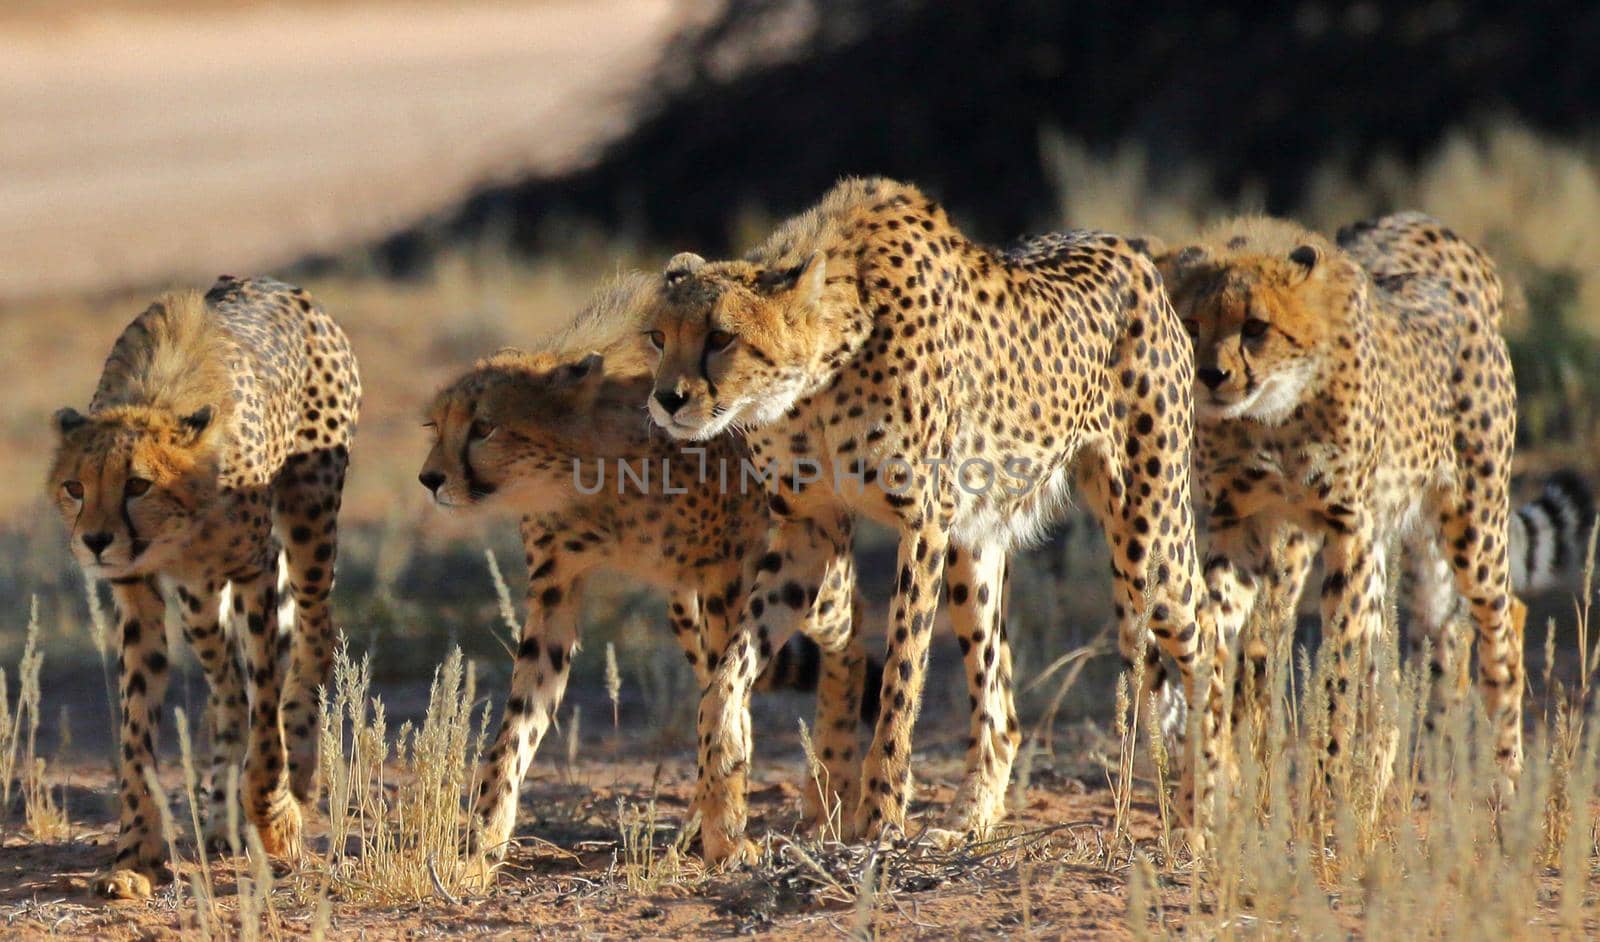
{"x": 1232, "y": 409}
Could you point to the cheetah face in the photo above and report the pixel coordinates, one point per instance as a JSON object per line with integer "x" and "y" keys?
{"x": 133, "y": 485}
{"x": 731, "y": 344}
{"x": 461, "y": 446}
{"x": 512, "y": 429}
{"x": 1258, "y": 343}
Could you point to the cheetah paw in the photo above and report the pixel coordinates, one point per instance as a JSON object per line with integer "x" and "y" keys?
{"x": 280, "y": 836}
{"x": 126, "y": 883}
{"x": 479, "y": 870}
{"x": 726, "y": 855}
{"x": 946, "y": 839}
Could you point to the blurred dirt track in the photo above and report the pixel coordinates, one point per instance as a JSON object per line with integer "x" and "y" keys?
{"x": 138, "y": 148}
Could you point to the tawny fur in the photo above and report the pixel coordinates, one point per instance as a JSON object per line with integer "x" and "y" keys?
{"x": 1352, "y": 394}
{"x": 174, "y": 358}
{"x": 870, "y": 331}
{"x": 217, "y": 419}
{"x": 508, "y": 432}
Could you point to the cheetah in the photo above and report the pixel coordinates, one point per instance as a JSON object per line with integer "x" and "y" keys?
{"x": 559, "y": 434}
{"x": 219, "y": 421}
{"x": 883, "y": 364}
{"x": 1348, "y": 393}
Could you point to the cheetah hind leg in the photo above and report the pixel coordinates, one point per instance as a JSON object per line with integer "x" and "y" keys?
{"x": 206, "y": 611}
{"x": 832, "y": 789}
{"x": 269, "y": 804}
{"x": 306, "y": 507}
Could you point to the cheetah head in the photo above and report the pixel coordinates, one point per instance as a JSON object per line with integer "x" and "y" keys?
{"x": 736, "y": 343}
{"x": 134, "y": 484}
{"x": 1262, "y": 318}
{"x": 520, "y": 427}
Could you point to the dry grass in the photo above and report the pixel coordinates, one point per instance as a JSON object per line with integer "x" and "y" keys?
{"x": 1308, "y": 848}
{"x": 645, "y": 869}
{"x": 21, "y": 768}
{"x": 1432, "y": 851}
{"x": 401, "y": 839}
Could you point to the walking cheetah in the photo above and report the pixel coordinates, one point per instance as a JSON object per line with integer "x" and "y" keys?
{"x": 560, "y": 435}
{"x": 217, "y": 420}
{"x": 1348, "y": 394}
{"x": 888, "y": 366}
{"x": 1546, "y": 540}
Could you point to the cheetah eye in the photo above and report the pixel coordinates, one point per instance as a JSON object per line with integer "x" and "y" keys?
{"x": 481, "y": 430}
{"x": 431, "y": 426}
{"x": 137, "y": 487}
{"x": 1253, "y": 327}
{"x": 658, "y": 339}
{"x": 1192, "y": 326}
{"x": 718, "y": 340}
{"x": 74, "y": 489}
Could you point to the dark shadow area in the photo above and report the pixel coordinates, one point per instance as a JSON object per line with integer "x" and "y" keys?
{"x": 955, "y": 95}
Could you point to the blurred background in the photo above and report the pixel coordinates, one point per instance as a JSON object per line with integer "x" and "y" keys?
{"x": 452, "y": 177}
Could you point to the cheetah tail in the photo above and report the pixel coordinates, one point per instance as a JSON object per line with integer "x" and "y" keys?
{"x": 1549, "y": 536}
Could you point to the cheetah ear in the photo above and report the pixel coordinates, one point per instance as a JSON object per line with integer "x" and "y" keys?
{"x": 680, "y": 267}
{"x": 1179, "y": 265}
{"x": 68, "y": 419}
{"x": 813, "y": 278}
{"x": 804, "y": 282}
{"x": 1307, "y": 257}
{"x": 590, "y": 367}
{"x": 1149, "y": 246}
{"x": 195, "y": 423}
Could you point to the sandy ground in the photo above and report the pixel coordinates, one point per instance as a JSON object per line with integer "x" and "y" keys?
{"x": 560, "y": 881}
{"x": 138, "y": 148}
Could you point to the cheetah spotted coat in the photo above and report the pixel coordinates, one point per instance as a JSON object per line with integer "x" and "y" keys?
{"x": 1396, "y": 422}
{"x": 242, "y": 405}
{"x": 871, "y": 338}
{"x": 559, "y": 435}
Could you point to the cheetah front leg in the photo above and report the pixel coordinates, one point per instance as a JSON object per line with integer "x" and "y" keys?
{"x": 1353, "y": 592}
{"x": 538, "y": 682}
{"x": 268, "y": 800}
{"x": 227, "y": 712}
{"x": 784, "y": 592}
{"x": 1434, "y": 606}
{"x": 1254, "y": 578}
{"x": 142, "y": 671}
{"x": 886, "y": 774}
{"x": 688, "y": 629}
{"x": 1281, "y": 575}
{"x": 1149, "y": 530}
{"x": 307, "y": 509}
{"x": 1473, "y": 538}
{"x": 975, "y": 582}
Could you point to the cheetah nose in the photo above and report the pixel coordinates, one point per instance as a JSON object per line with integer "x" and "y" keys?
{"x": 431, "y": 480}
{"x": 671, "y": 400}
{"x": 97, "y": 542}
{"x": 1211, "y": 376}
